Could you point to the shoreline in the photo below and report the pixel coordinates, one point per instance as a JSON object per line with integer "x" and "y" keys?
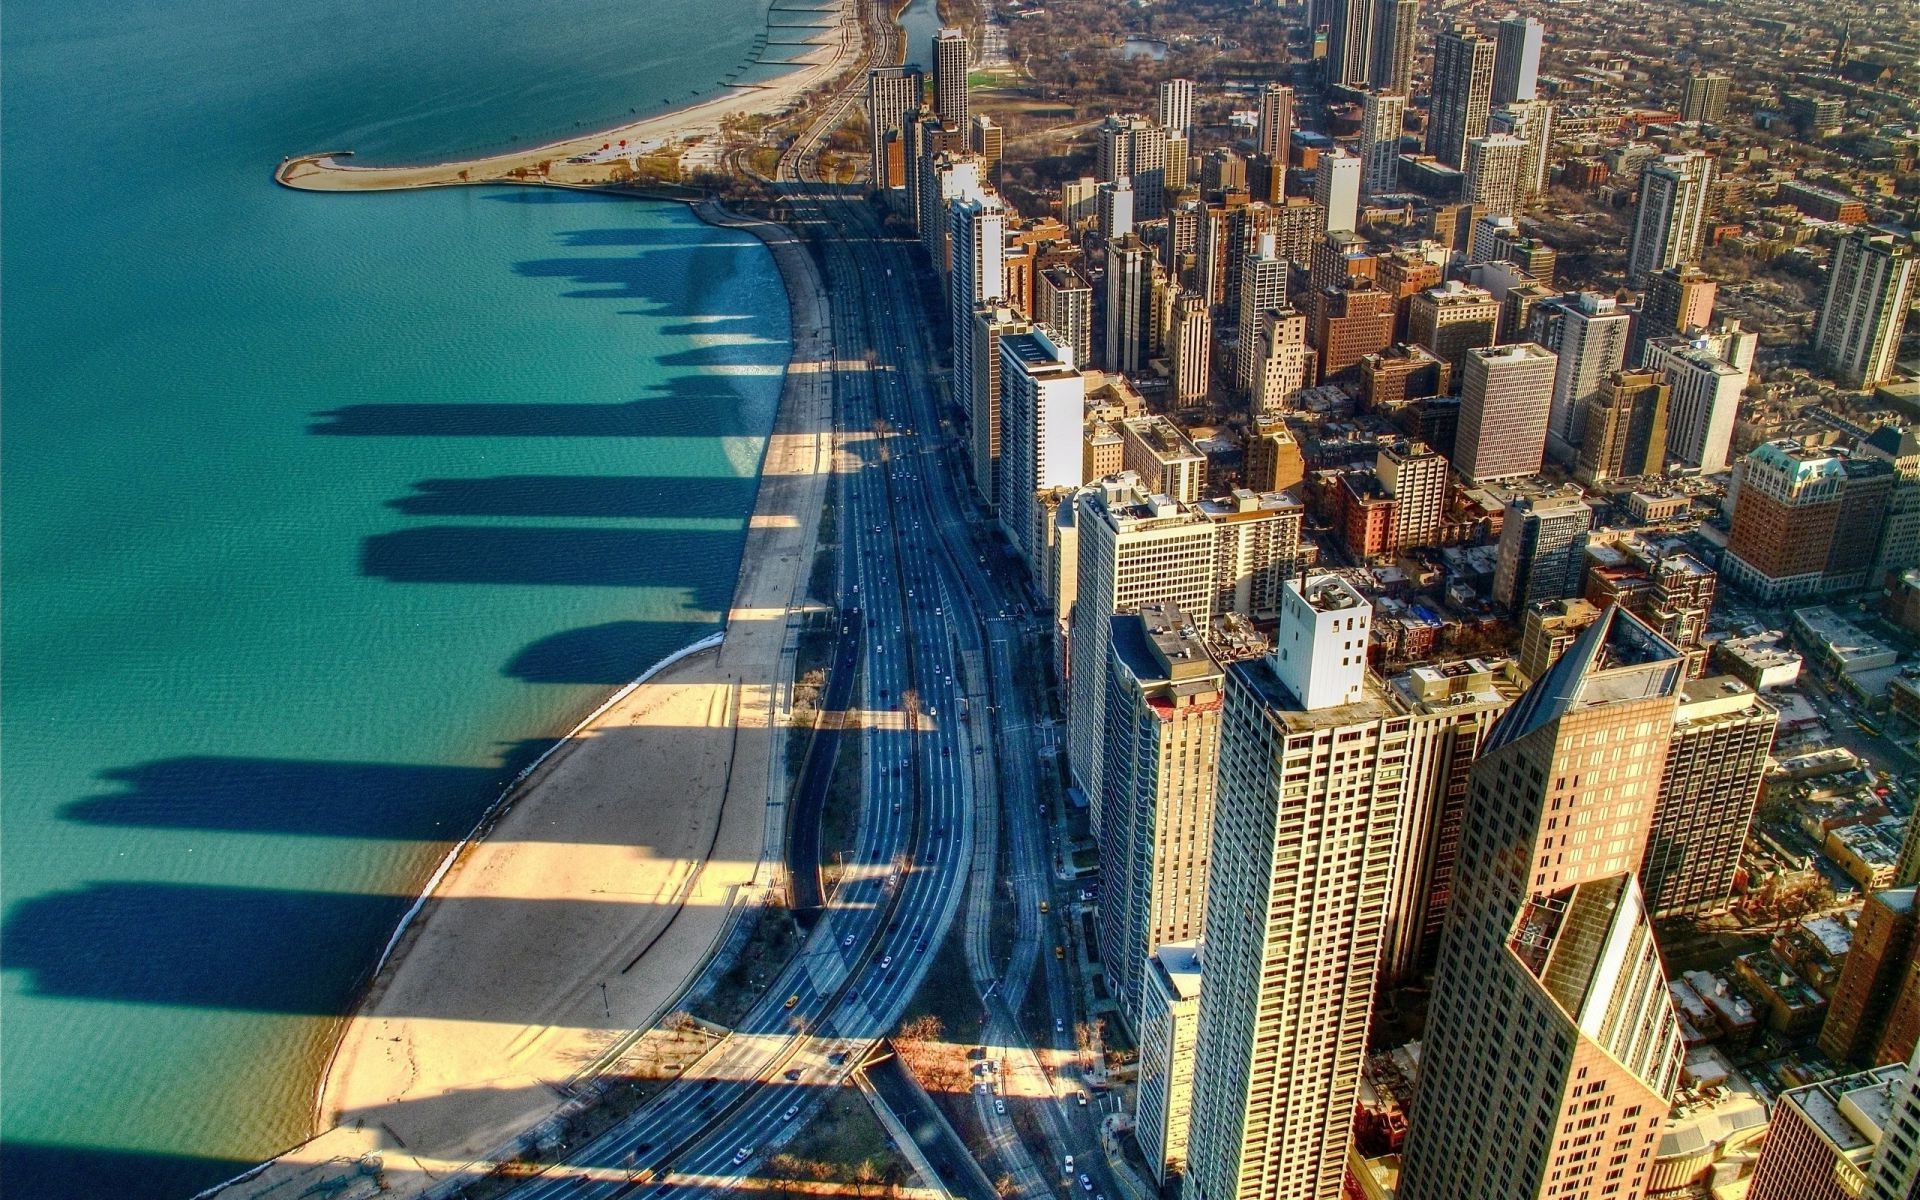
{"x": 842, "y": 47}
{"x": 806, "y": 387}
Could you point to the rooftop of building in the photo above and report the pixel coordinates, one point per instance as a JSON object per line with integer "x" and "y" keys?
{"x": 1166, "y": 439}
{"x": 1038, "y": 353}
{"x": 1243, "y": 504}
{"x": 1850, "y": 1110}
{"x": 1445, "y": 686}
{"x": 1717, "y": 698}
{"x": 1179, "y": 965}
{"x": 1511, "y": 352}
{"x": 1288, "y": 711}
{"x": 1159, "y": 642}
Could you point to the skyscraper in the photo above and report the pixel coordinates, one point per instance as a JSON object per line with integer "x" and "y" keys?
{"x": 1114, "y": 206}
{"x": 1129, "y": 292}
{"x": 991, "y": 322}
{"x": 1276, "y": 121}
{"x": 1134, "y": 548}
{"x": 1349, "y": 42}
{"x": 1870, "y": 286}
{"x": 1176, "y": 108}
{"x": 1042, "y": 405}
{"x": 1416, "y": 478}
{"x": 1549, "y": 993}
{"x": 1496, "y": 174}
{"x": 1286, "y": 362}
{"x": 1883, "y": 945}
{"x": 1716, "y": 759}
{"x": 950, "y": 77}
{"x": 977, "y": 275}
{"x": 1382, "y": 116}
{"x": 1132, "y": 147}
{"x": 1263, "y": 288}
{"x": 1542, "y": 550}
{"x": 1162, "y": 737}
{"x": 1705, "y": 401}
{"x": 1307, "y": 800}
{"x": 1516, "y": 60}
{"x": 1805, "y": 520}
{"x": 1336, "y": 188}
{"x": 1669, "y": 218}
{"x": 1396, "y": 26}
{"x": 1169, "y": 1025}
{"x": 1504, "y": 399}
{"x": 1451, "y": 319}
{"x": 1706, "y": 99}
{"x": 1624, "y": 431}
{"x": 892, "y": 93}
{"x": 1588, "y": 332}
{"x": 1462, "y": 94}
{"x": 1063, "y": 302}
{"x": 1191, "y": 344}
{"x": 1532, "y": 122}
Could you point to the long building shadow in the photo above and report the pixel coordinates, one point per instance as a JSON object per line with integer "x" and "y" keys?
{"x": 548, "y": 557}
{"x": 583, "y": 496}
{"x": 260, "y": 950}
{"x": 375, "y": 801}
{"x": 37, "y": 1169}
{"x": 613, "y": 653}
{"x": 688, "y": 406}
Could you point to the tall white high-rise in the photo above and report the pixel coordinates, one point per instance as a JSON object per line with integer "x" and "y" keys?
{"x": 1703, "y": 403}
{"x": 1532, "y": 122}
{"x": 1336, "y": 188}
{"x": 1169, "y": 1025}
{"x": 1114, "y": 205}
{"x": 1496, "y": 174}
{"x": 1042, "y": 405}
{"x": 1552, "y": 1049}
{"x": 950, "y": 55}
{"x": 1263, "y": 288}
{"x": 1670, "y": 217}
{"x": 1276, "y": 121}
{"x": 978, "y": 238}
{"x": 1176, "y": 108}
{"x": 1306, "y": 805}
{"x": 1588, "y": 332}
{"x": 1382, "y": 116}
{"x": 1870, "y": 287}
{"x": 1134, "y": 548}
{"x": 1516, "y": 60}
{"x": 1160, "y": 743}
{"x": 1134, "y": 148}
{"x": 892, "y": 93}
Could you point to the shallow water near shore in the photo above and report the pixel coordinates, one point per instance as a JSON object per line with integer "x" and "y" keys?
{"x": 321, "y": 513}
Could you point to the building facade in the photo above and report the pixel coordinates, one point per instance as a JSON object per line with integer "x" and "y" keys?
{"x": 1549, "y": 993}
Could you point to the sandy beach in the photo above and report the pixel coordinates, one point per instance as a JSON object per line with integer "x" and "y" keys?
{"x": 613, "y": 871}
{"x": 842, "y": 48}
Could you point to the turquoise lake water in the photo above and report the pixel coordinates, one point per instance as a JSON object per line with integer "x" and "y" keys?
{"x": 320, "y": 513}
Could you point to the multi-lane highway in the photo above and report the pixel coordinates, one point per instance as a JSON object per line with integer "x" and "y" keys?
{"x": 935, "y": 596}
